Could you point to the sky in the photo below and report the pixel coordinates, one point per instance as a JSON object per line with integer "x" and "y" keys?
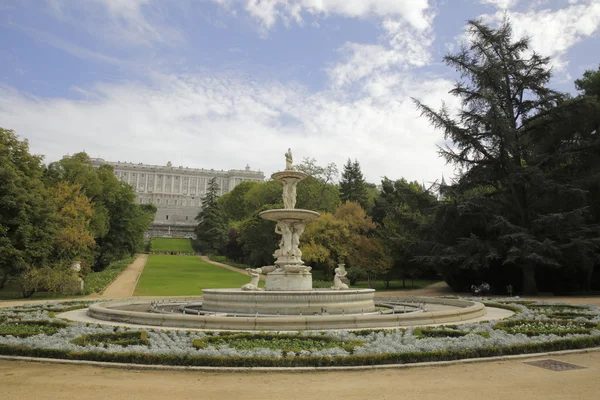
{"x": 225, "y": 83}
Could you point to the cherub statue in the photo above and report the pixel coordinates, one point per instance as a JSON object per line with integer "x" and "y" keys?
{"x": 255, "y": 274}
{"x": 340, "y": 272}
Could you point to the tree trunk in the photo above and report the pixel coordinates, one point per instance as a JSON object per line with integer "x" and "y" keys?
{"x": 529, "y": 285}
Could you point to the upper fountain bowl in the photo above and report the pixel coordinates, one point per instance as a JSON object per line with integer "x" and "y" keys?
{"x": 289, "y": 174}
{"x": 289, "y": 214}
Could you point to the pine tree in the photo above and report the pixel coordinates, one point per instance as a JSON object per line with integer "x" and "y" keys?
{"x": 506, "y": 193}
{"x": 211, "y": 231}
{"x": 352, "y": 185}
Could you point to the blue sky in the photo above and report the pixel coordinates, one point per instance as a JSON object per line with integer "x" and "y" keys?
{"x": 225, "y": 83}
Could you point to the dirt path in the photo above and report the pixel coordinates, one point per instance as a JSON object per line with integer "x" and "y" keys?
{"x": 229, "y": 267}
{"x": 124, "y": 284}
{"x": 495, "y": 380}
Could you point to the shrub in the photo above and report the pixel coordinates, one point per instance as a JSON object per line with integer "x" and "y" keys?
{"x": 118, "y": 338}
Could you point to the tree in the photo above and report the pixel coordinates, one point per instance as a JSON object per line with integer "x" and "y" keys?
{"x": 118, "y": 223}
{"x": 73, "y": 239}
{"x": 211, "y": 231}
{"x": 235, "y": 204}
{"x": 27, "y": 219}
{"x": 504, "y": 185}
{"x": 589, "y": 84}
{"x": 402, "y": 211}
{"x": 353, "y": 186}
{"x": 319, "y": 191}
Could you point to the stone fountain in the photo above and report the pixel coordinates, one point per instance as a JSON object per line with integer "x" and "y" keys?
{"x": 288, "y": 288}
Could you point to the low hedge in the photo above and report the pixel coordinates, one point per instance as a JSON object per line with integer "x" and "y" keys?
{"x": 513, "y": 327}
{"x": 31, "y": 328}
{"x": 298, "y": 361}
{"x": 422, "y": 333}
{"x": 283, "y": 342}
{"x": 118, "y": 338}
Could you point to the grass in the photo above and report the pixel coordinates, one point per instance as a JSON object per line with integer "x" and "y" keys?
{"x": 166, "y": 244}
{"x": 166, "y": 275}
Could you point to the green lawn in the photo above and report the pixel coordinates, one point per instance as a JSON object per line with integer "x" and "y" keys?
{"x": 166, "y": 275}
{"x": 166, "y": 244}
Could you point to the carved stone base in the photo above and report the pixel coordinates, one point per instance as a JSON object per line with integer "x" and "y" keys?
{"x": 282, "y": 280}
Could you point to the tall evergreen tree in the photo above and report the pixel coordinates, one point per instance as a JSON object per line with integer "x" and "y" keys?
{"x": 211, "y": 231}
{"x": 352, "y": 185}
{"x": 505, "y": 187}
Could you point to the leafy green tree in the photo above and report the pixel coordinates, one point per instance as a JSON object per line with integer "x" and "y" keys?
{"x": 235, "y": 205}
{"x": 318, "y": 192}
{"x": 402, "y": 211}
{"x": 211, "y": 232}
{"x": 27, "y": 220}
{"x": 118, "y": 223}
{"x": 257, "y": 239}
{"x": 505, "y": 188}
{"x": 352, "y": 185}
{"x": 589, "y": 84}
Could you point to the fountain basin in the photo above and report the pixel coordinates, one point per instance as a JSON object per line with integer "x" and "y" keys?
{"x": 136, "y": 311}
{"x": 289, "y": 302}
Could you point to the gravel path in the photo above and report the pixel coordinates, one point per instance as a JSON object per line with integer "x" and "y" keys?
{"x": 124, "y": 284}
{"x": 497, "y": 380}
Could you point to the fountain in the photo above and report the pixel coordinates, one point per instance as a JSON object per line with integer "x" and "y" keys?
{"x": 288, "y": 301}
{"x": 288, "y": 288}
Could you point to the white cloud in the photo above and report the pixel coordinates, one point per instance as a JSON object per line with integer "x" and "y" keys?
{"x": 226, "y": 121}
{"x": 268, "y": 12}
{"x": 554, "y": 32}
{"x": 503, "y": 4}
{"x": 402, "y": 47}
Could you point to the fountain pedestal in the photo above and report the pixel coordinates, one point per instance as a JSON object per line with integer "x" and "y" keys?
{"x": 285, "y": 280}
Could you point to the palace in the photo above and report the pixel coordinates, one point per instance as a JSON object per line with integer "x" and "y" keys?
{"x": 176, "y": 191}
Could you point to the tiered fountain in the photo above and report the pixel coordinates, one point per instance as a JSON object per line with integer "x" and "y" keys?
{"x": 288, "y": 289}
{"x": 288, "y": 301}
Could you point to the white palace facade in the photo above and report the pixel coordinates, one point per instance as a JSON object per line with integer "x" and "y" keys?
{"x": 175, "y": 191}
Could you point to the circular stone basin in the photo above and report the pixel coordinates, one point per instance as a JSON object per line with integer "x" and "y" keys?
{"x": 289, "y": 302}
{"x": 289, "y": 174}
{"x": 288, "y": 214}
{"x": 134, "y": 311}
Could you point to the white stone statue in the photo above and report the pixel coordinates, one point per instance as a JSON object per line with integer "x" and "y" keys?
{"x": 289, "y": 160}
{"x": 285, "y": 245}
{"x": 298, "y": 231}
{"x": 255, "y": 274}
{"x": 289, "y": 194}
{"x": 340, "y": 272}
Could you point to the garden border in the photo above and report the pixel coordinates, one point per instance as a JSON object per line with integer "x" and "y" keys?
{"x": 160, "y": 367}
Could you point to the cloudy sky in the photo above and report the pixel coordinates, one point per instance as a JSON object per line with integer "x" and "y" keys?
{"x": 225, "y": 83}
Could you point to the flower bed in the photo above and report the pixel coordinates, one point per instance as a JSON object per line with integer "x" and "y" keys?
{"x": 533, "y": 329}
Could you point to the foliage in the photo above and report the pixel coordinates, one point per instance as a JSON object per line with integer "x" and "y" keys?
{"x": 353, "y": 187}
{"x": 30, "y": 328}
{"x": 27, "y": 218}
{"x": 117, "y": 338}
{"x": 283, "y": 342}
{"x": 212, "y": 225}
{"x": 559, "y": 327}
{"x": 403, "y": 211}
{"x": 257, "y": 239}
{"x": 345, "y": 237}
{"x": 515, "y": 204}
{"x": 117, "y": 223}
